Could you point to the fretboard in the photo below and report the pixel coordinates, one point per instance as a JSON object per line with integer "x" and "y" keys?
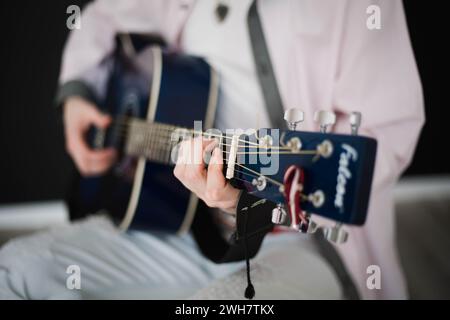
{"x": 157, "y": 141}
{"x": 153, "y": 141}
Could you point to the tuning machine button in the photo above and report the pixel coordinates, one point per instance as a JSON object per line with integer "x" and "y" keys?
{"x": 325, "y": 119}
{"x": 336, "y": 234}
{"x": 317, "y": 198}
{"x": 293, "y": 117}
{"x": 260, "y": 183}
{"x": 310, "y": 226}
{"x": 355, "y": 121}
{"x": 325, "y": 148}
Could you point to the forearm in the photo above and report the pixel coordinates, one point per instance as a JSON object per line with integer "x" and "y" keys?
{"x": 91, "y": 85}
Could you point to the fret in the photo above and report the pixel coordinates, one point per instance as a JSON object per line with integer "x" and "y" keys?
{"x": 151, "y": 148}
{"x": 155, "y": 141}
{"x": 162, "y": 146}
{"x": 150, "y": 140}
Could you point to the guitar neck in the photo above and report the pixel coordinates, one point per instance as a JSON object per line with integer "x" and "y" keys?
{"x": 155, "y": 141}
{"x": 150, "y": 140}
{"x": 329, "y": 173}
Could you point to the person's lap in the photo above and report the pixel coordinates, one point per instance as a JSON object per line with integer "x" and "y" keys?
{"x": 144, "y": 265}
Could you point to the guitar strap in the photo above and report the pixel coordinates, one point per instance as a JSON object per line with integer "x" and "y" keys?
{"x": 253, "y": 222}
{"x": 266, "y": 75}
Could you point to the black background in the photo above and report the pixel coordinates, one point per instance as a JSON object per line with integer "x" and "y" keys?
{"x": 33, "y": 162}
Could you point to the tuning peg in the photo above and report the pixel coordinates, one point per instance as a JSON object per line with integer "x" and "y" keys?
{"x": 336, "y": 234}
{"x": 279, "y": 215}
{"x": 312, "y": 227}
{"x": 324, "y": 119}
{"x": 355, "y": 121}
{"x": 293, "y": 117}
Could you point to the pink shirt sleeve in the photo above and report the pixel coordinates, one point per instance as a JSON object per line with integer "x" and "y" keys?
{"x": 101, "y": 20}
{"x": 377, "y": 75}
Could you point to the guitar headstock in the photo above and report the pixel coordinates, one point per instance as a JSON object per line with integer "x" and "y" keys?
{"x": 309, "y": 173}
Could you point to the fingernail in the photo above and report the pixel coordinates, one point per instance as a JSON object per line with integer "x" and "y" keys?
{"x": 216, "y": 153}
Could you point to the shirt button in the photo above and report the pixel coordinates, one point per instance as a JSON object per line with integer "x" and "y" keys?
{"x": 184, "y": 5}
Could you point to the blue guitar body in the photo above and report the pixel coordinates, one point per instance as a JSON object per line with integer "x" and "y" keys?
{"x": 136, "y": 192}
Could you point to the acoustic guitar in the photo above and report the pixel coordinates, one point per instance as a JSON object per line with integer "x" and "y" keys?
{"x": 159, "y": 98}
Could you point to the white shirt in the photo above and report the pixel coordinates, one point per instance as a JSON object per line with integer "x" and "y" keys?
{"x": 226, "y": 46}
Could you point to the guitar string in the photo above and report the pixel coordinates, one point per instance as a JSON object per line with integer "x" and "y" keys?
{"x": 148, "y": 148}
{"x": 256, "y": 174}
{"x": 303, "y": 196}
{"x": 261, "y": 175}
{"x": 158, "y": 157}
{"x": 166, "y": 138}
{"x": 253, "y": 173}
{"x": 150, "y": 139}
{"x": 165, "y": 158}
{"x": 164, "y": 154}
{"x": 164, "y": 127}
{"x": 152, "y": 136}
{"x": 300, "y": 152}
